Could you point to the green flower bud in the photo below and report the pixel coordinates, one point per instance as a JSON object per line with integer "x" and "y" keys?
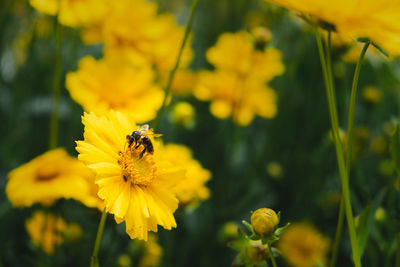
{"x": 264, "y": 221}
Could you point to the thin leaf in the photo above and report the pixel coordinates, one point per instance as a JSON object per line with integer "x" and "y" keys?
{"x": 366, "y": 221}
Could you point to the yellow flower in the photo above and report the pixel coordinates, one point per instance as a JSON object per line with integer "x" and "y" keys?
{"x": 235, "y": 52}
{"x": 46, "y": 230}
{"x": 101, "y": 85}
{"x": 134, "y": 30}
{"x": 231, "y": 95}
{"x": 183, "y": 114}
{"x": 274, "y": 169}
{"x": 237, "y": 87}
{"x": 136, "y": 190}
{"x": 49, "y": 177}
{"x": 73, "y": 13}
{"x": 152, "y": 253}
{"x": 191, "y": 188}
{"x": 371, "y": 94}
{"x": 301, "y": 245}
{"x": 376, "y": 20}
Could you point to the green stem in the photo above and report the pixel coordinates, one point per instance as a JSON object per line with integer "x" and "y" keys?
{"x": 271, "y": 255}
{"x": 56, "y": 89}
{"x": 328, "y": 79}
{"x": 178, "y": 59}
{"x": 94, "y": 262}
{"x": 350, "y": 137}
{"x": 398, "y": 250}
{"x": 339, "y": 229}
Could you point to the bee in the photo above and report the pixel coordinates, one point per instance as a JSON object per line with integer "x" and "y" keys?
{"x": 139, "y": 138}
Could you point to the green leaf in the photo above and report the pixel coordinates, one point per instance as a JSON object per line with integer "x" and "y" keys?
{"x": 280, "y": 230}
{"x": 366, "y": 221}
{"x": 249, "y": 227}
{"x": 380, "y": 49}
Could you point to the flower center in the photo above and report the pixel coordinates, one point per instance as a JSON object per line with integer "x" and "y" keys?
{"x": 46, "y": 173}
{"x": 138, "y": 171}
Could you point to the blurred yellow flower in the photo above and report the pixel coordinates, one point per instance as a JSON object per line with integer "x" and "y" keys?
{"x": 49, "y": 177}
{"x": 124, "y": 260}
{"x": 183, "y": 114}
{"x": 46, "y": 230}
{"x": 134, "y": 30}
{"x": 301, "y": 245}
{"x": 73, "y": 13}
{"x": 191, "y": 188}
{"x": 235, "y": 52}
{"x": 379, "y": 145}
{"x": 376, "y": 20}
{"x": 371, "y": 94}
{"x": 274, "y": 169}
{"x": 238, "y": 87}
{"x": 232, "y": 95}
{"x": 101, "y": 85}
{"x": 152, "y": 253}
{"x": 136, "y": 190}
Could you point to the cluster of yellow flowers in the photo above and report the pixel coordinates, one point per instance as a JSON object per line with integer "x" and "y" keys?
{"x": 118, "y": 91}
{"x": 237, "y": 87}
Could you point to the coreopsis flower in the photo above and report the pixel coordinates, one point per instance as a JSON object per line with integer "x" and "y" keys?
{"x": 237, "y": 88}
{"x": 46, "y": 230}
{"x": 101, "y": 85}
{"x": 237, "y": 53}
{"x": 49, "y": 177}
{"x": 375, "y": 20}
{"x": 191, "y": 188}
{"x": 136, "y": 187}
{"x": 74, "y": 13}
{"x": 232, "y": 95}
{"x": 134, "y": 30}
{"x": 302, "y": 245}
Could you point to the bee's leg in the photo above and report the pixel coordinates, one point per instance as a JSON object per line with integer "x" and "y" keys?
{"x": 141, "y": 154}
{"x": 138, "y": 145}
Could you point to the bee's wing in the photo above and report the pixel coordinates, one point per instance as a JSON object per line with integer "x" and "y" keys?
{"x": 144, "y": 128}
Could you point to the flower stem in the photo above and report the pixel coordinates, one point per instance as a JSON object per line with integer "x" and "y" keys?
{"x": 178, "y": 59}
{"x": 328, "y": 79}
{"x": 56, "y": 88}
{"x": 271, "y": 255}
{"x": 350, "y": 137}
{"x": 94, "y": 262}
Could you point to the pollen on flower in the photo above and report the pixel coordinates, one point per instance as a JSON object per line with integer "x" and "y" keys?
{"x": 136, "y": 170}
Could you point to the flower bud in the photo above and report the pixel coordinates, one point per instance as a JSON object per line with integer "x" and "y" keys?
{"x": 264, "y": 221}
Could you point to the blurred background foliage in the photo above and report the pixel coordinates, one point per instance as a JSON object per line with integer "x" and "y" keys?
{"x": 286, "y": 163}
